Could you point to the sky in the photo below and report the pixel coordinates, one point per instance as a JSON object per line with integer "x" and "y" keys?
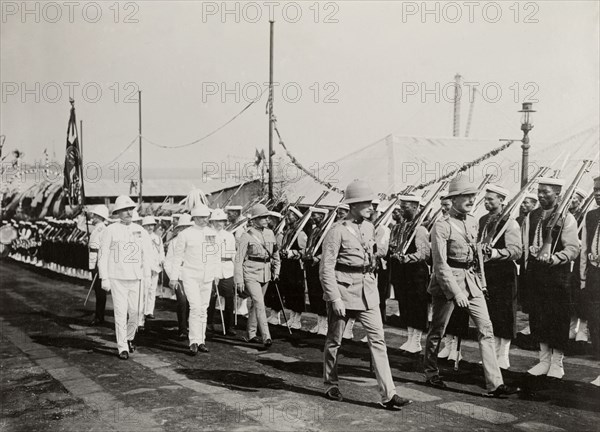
{"x": 348, "y": 74}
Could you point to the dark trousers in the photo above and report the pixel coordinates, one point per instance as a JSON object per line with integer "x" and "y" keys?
{"x": 100, "y": 296}
{"x": 291, "y": 286}
{"x": 183, "y": 309}
{"x": 226, "y": 289}
{"x": 383, "y": 286}
{"x": 315, "y": 290}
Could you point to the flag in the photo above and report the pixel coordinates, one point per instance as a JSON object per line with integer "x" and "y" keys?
{"x": 72, "y": 184}
{"x": 259, "y": 157}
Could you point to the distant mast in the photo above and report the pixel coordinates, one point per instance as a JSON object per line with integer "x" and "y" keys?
{"x": 456, "y": 125}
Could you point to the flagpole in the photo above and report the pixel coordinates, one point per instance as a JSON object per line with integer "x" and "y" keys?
{"x": 140, "y": 138}
{"x": 271, "y": 24}
{"x": 80, "y": 142}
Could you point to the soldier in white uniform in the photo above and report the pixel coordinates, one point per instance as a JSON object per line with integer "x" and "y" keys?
{"x": 225, "y": 286}
{"x": 158, "y": 259}
{"x": 183, "y": 306}
{"x": 99, "y": 215}
{"x": 124, "y": 266}
{"x": 195, "y": 263}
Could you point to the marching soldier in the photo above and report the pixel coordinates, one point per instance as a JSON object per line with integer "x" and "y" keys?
{"x": 225, "y": 286}
{"x": 455, "y": 283}
{"x": 347, "y": 272}
{"x": 412, "y": 274}
{"x": 256, "y": 264}
{"x": 548, "y": 278}
{"x": 183, "y": 306}
{"x": 123, "y": 266}
{"x": 590, "y": 272}
{"x": 99, "y": 215}
{"x": 158, "y": 259}
{"x": 501, "y": 273}
{"x": 196, "y": 263}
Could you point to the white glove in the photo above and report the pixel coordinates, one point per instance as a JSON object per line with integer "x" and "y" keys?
{"x": 106, "y": 284}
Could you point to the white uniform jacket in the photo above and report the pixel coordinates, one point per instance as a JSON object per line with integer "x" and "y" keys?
{"x": 196, "y": 254}
{"x": 125, "y": 253}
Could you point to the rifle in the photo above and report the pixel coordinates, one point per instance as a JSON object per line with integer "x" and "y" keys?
{"x": 492, "y": 235}
{"x": 281, "y": 225}
{"x": 302, "y": 222}
{"x": 216, "y": 198}
{"x": 384, "y": 217}
{"x": 236, "y": 225}
{"x": 584, "y": 207}
{"x": 418, "y": 221}
{"x": 480, "y": 189}
{"x": 228, "y": 200}
{"x": 548, "y": 246}
{"x": 318, "y": 235}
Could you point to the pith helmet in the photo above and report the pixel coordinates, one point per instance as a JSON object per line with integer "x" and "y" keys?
{"x": 100, "y": 210}
{"x": 460, "y": 186}
{"x": 123, "y": 202}
{"x": 218, "y": 215}
{"x": 201, "y": 210}
{"x": 358, "y": 191}
{"x": 258, "y": 210}
{"x": 185, "y": 220}
{"x": 148, "y": 220}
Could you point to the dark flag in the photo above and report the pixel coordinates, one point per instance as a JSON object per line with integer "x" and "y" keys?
{"x": 72, "y": 184}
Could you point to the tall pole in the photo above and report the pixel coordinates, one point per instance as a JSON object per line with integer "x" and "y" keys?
{"x": 526, "y": 127}
{"x": 457, "y": 95}
{"x": 271, "y": 24}
{"x": 81, "y": 141}
{"x": 140, "y": 141}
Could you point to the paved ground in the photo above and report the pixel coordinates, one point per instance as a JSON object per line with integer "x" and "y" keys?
{"x": 59, "y": 374}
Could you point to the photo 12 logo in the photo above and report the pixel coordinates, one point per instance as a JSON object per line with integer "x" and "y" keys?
{"x": 291, "y": 92}
{"x": 54, "y": 92}
{"x": 69, "y": 11}
{"x": 470, "y": 11}
{"x": 491, "y": 92}
{"x": 254, "y": 12}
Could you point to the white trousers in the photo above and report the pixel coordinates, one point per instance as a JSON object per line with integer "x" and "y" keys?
{"x": 126, "y": 300}
{"x": 198, "y": 295}
{"x": 151, "y": 295}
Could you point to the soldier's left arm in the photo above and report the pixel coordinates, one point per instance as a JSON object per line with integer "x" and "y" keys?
{"x": 570, "y": 241}
{"x": 513, "y": 243}
{"x": 423, "y": 246}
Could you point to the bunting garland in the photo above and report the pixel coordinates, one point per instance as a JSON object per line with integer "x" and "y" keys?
{"x": 299, "y": 165}
{"x": 449, "y": 175}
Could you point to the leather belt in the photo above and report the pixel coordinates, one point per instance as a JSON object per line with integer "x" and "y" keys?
{"x": 460, "y": 264}
{"x": 353, "y": 269}
{"x": 260, "y": 259}
{"x": 226, "y": 259}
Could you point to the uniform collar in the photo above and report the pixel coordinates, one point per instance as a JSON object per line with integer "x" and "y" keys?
{"x": 457, "y": 215}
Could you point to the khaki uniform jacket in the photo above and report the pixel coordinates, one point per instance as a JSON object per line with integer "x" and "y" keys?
{"x": 449, "y": 240}
{"x": 257, "y": 244}
{"x": 357, "y": 290}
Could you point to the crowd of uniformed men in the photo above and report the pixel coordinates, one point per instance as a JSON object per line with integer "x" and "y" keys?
{"x": 442, "y": 269}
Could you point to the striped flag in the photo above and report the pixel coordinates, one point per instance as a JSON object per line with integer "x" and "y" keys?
{"x": 72, "y": 175}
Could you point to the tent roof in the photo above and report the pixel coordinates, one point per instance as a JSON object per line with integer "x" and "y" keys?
{"x": 395, "y": 162}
